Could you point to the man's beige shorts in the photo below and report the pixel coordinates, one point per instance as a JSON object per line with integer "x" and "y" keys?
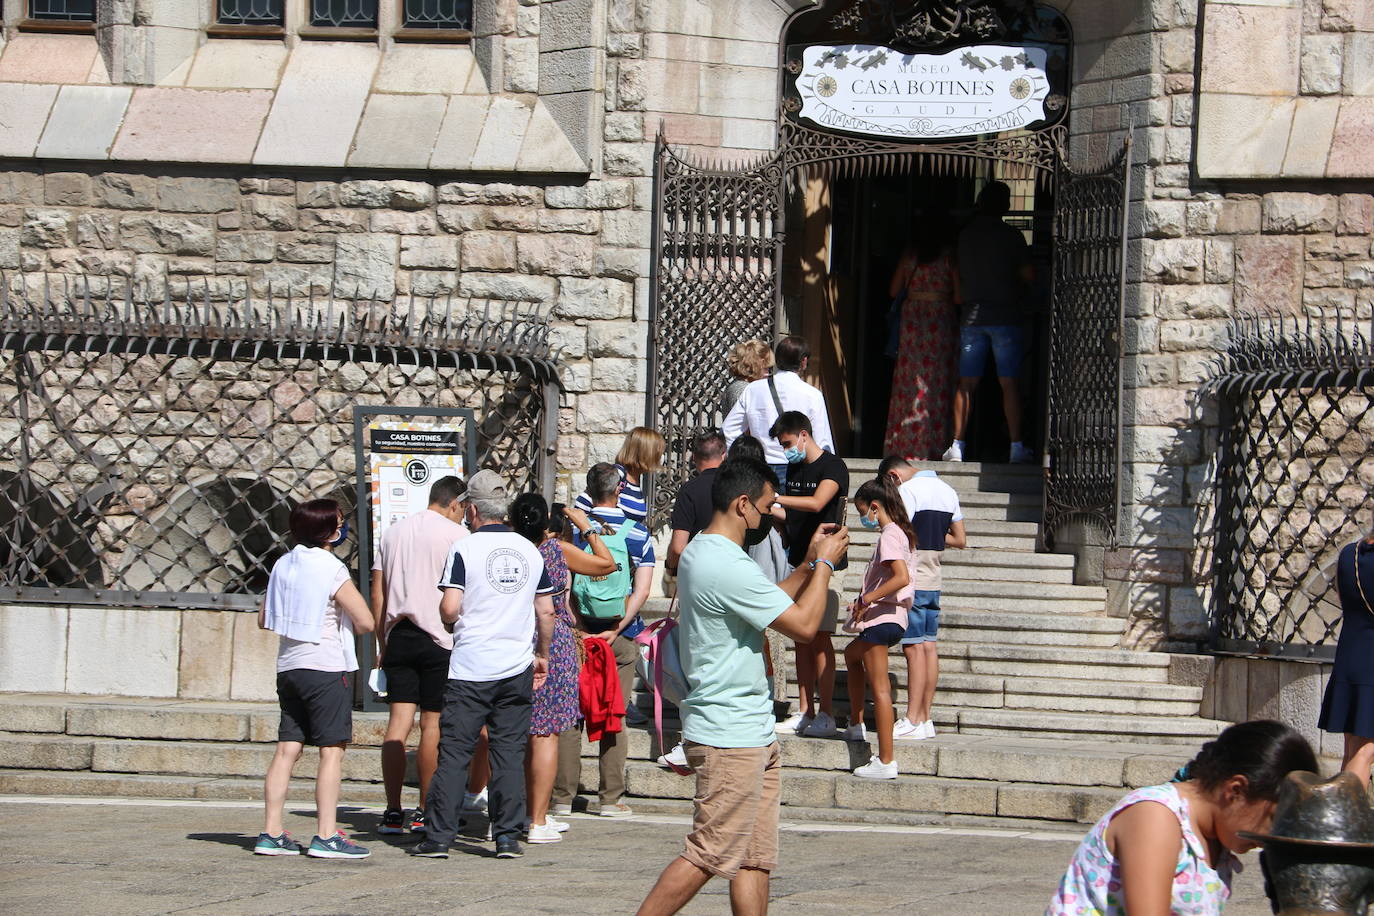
{"x": 735, "y": 824}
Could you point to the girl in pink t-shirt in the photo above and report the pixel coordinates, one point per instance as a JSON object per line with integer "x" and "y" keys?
{"x": 879, "y": 615}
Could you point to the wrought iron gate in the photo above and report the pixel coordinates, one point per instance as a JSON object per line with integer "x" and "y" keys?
{"x": 718, "y": 239}
{"x": 1083, "y": 433}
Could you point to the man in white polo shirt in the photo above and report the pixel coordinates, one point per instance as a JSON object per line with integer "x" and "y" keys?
{"x": 497, "y": 598}
{"x": 767, "y": 399}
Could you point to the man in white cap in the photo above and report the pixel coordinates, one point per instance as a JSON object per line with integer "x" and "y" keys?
{"x": 497, "y": 598}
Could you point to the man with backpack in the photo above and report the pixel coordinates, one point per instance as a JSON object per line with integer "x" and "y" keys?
{"x": 608, "y": 608}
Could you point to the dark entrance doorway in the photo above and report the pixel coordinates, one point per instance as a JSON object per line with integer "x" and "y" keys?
{"x": 854, "y": 232}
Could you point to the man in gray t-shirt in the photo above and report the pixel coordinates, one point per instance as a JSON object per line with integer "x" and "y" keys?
{"x": 994, "y": 273}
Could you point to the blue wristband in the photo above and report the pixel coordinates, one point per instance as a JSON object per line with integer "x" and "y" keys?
{"x": 825, "y": 561}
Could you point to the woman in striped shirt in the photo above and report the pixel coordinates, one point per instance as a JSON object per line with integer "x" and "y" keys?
{"x": 641, "y": 454}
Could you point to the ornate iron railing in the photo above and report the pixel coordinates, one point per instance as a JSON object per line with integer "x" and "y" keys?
{"x": 150, "y": 451}
{"x": 1294, "y": 480}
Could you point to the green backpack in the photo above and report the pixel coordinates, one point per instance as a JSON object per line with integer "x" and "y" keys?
{"x": 603, "y": 597}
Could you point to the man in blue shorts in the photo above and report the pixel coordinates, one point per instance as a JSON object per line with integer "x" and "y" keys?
{"x": 994, "y": 273}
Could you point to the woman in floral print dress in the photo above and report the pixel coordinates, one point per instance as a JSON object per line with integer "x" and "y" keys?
{"x": 922, "y": 405}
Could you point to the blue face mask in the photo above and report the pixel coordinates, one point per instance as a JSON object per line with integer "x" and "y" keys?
{"x": 343, "y": 535}
{"x": 794, "y": 455}
{"x": 868, "y": 522}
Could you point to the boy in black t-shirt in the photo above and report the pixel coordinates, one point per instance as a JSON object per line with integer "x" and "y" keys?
{"x": 817, "y": 481}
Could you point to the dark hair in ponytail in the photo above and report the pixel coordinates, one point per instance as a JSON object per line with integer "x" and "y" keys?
{"x": 883, "y": 491}
{"x": 529, "y": 516}
{"x": 1263, "y": 751}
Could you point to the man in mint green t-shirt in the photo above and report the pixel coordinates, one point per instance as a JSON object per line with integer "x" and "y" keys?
{"x": 726, "y": 602}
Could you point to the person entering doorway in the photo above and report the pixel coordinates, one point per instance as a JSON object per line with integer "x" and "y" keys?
{"x": 995, "y": 275}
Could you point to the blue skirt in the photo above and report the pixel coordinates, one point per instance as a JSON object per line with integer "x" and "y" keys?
{"x": 1348, "y": 708}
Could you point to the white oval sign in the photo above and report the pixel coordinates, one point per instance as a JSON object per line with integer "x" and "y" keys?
{"x": 871, "y": 89}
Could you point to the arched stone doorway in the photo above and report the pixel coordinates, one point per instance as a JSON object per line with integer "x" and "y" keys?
{"x": 721, "y": 240}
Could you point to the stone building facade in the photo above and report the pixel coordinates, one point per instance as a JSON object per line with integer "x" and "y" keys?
{"x": 518, "y": 163}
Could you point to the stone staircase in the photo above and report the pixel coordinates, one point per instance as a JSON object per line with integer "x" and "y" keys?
{"x": 1041, "y": 715}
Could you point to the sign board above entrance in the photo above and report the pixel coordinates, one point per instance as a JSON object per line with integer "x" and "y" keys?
{"x": 881, "y": 92}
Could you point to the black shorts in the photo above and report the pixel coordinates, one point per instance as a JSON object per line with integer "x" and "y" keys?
{"x": 316, "y": 707}
{"x": 416, "y": 667}
{"x": 884, "y": 634}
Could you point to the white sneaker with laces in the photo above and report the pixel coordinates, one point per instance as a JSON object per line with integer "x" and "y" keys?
{"x": 793, "y": 725}
{"x": 855, "y": 733}
{"x": 927, "y": 729}
{"x": 475, "y": 801}
{"x": 874, "y": 769}
{"x": 1020, "y": 454}
{"x": 823, "y": 726}
{"x": 903, "y": 730}
{"x": 560, "y": 826}
{"x": 677, "y": 756}
{"x": 955, "y": 452}
{"x": 544, "y": 833}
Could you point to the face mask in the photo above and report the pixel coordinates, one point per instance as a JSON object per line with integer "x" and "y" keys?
{"x": 868, "y": 522}
{"x": 759, "y": 533}
{"x": 794, "y": 455}
{"x": 343, "y": 535}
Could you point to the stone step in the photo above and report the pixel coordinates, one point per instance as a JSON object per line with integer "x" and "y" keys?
{"x": 965, "y": 476}
{"x": 987, "y": 594}
{"x": 1190, "y": 730}
{"x": 974, "y": 527}
{"x": 1029, "y": 629}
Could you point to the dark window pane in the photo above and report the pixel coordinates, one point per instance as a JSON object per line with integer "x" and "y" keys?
{"x": 357, "y": 14}
{"x": 438, "y": 14}
{"x": 252, "y": 12}
{"x": 63, "y": 10}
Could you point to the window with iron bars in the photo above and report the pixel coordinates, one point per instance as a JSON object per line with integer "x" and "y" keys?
{"x": 455, "y": 15}
{"x": 271, "y": 13}
{"x": 343, "y": 14}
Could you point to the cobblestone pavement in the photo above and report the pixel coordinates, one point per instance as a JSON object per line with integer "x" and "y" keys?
{"x": 115, "y": 857}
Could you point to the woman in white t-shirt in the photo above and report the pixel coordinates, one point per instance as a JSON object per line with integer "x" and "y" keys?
{"x": 879, "y": 615}
{"x": 313, "y": 605}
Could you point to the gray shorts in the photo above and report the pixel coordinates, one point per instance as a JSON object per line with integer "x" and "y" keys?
{"x": 316, "y": 707}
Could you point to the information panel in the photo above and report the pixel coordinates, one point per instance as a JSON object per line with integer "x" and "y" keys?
{"x": 403, "y": 461}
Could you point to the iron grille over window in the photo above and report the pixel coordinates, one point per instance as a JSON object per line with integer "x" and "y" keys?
{"x": 438, "y": 14}
{"x": 1295, "y": 482}
{"x": 352, "y": 14}
{"x": 252, "y": 12}
{"x": 62, "y": 10}
{"x": 151, "y": 452}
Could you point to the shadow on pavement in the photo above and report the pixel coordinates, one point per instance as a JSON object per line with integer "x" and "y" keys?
{"x": 228, "y": 839}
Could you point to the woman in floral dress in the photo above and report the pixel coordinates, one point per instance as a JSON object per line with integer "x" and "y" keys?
{"x": 922, "y": 406}
{"x": 556, "y": 706}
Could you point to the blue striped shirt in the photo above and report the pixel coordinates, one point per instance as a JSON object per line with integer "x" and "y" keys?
{"x": 631, "y": 499}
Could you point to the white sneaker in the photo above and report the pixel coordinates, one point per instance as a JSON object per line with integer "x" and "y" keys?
{"x": 927, "y": 729}
{"x": 1020, "y": 454}
{"x": 793, "y": 725}
{"x": 823, "y": 726}
{"x": 617, "y": 810}
{"x": 561, "y": 810}
{"x": 874, "y": 769}
{"x": 560, "y": 826}
{"x": 545, "y": 833}
{"x": 855, "y": 733}
{"x": 955, "y": 452}
{"x": 677, "y": 756}
{"x": 903, "y": 730}
{"x": 475, "y": 802}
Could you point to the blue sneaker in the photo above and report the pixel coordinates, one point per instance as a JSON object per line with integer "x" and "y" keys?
{"x": 268, "y": 845}
{"x": 336, "y": 847}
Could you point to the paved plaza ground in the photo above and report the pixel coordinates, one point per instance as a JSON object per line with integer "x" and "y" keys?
{"x": 114, "y": 857}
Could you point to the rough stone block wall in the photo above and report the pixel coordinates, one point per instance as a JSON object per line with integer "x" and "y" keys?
{"x": 1200, "y": 252}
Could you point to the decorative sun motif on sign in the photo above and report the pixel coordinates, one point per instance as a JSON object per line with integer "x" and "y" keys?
{"x": 826, "y": 87}
{"x": 1020, "y": 88}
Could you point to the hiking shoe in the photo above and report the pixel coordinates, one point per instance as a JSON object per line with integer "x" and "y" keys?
{"x": 855, "y": 733}
{"x": 336, "y": 847}
{"x": 620, "y": 809}
{"x": 268, "y": 845}
{"x": 1020, "y": 454}
{"x": 562, "y": 810}
{"x": 508, "y": 847}
{"x": 393, "y": 821}
{"x": 823, "y": 726}
{"x": 794, "y": 724}
{"x": 876, "y": 769}
{"x": 417, "y": 820}
{"x": 429, "y": 849}
{"x": 676, "y": 757}
{"x": 543, "y": 833}
{"x": 955, "y": 452}
{"x": 475, "y": 802}
{"x": 904, "y": 730}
